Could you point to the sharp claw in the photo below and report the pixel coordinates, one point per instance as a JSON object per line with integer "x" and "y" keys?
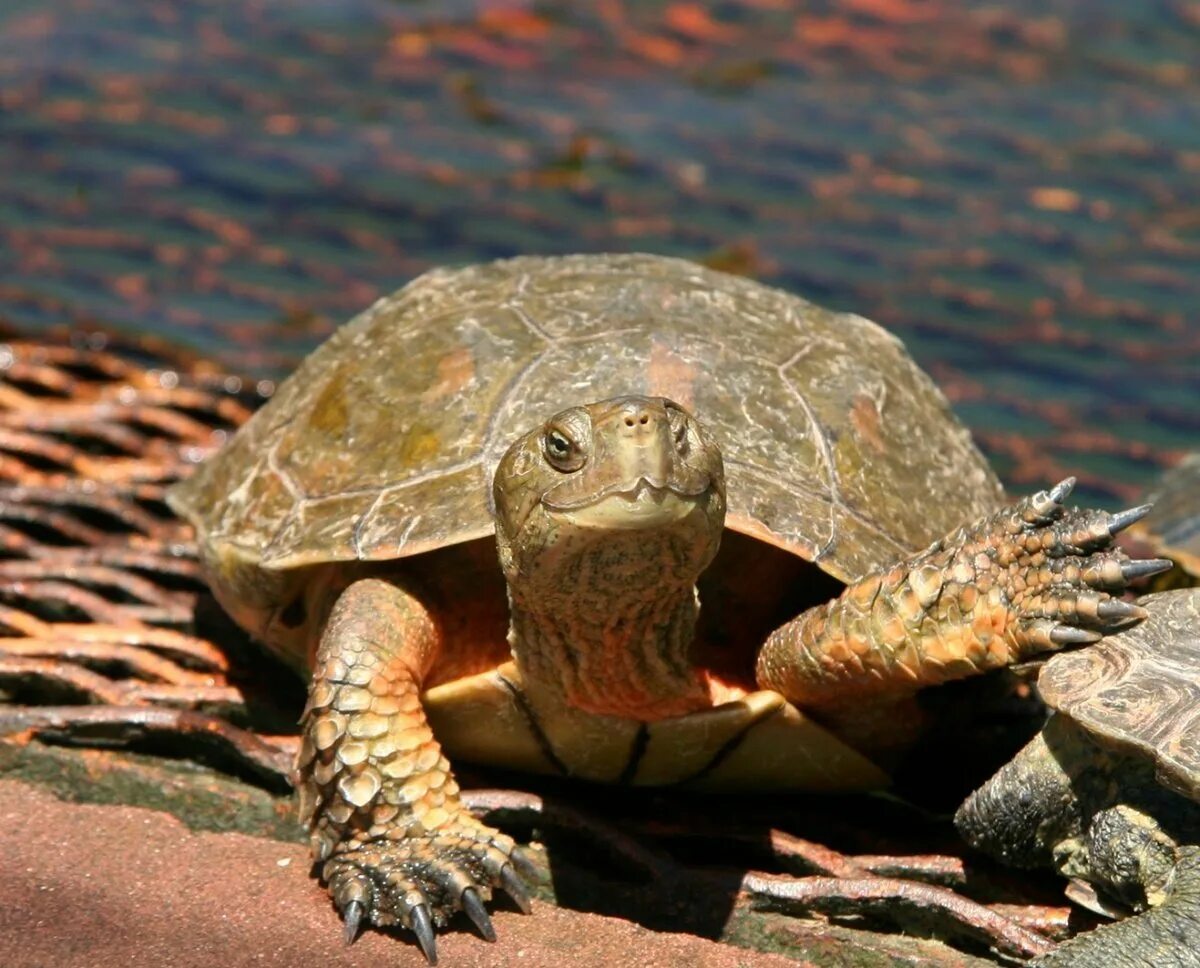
{"x": 1062, "y": 490}
{"x": 1123, "y": 519}
{"x": 1142, "y": 567}
{"x": 1046, "y": 505}
{"x": 1068, "y": 635}
{"x": 516, "y": 890}
{"x": 524, "y": 866}
{"x": 1117, "y": 608}
{"x": 472, "y": 905}
{"x": 422, "y": 927}
{"x": 352, "y": 915}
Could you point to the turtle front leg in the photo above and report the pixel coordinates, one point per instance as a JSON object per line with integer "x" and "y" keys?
{"x": 396, "y": 844}
{"x": 1034, "y": 576}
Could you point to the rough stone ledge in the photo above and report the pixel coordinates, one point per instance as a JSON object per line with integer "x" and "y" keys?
{"x": 96, "y": 886}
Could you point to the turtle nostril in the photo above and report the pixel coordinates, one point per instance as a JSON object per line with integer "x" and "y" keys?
{"x": 637, "y": 419}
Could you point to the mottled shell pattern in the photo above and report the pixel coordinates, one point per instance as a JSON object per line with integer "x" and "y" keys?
{"x": 382, "y": 444}
{"x": 1140, "y": 689}
{"x": 1173, "y": 527}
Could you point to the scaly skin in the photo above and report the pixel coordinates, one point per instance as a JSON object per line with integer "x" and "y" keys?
{"x": 1167, "y": 936}
{"x": 1094, "y": 813}
{"x": 1029, "y": 578}
{"x": 397, "y": 844}
{"x": 605, "y": 518}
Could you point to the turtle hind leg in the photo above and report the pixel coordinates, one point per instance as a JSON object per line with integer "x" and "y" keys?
{"x": 1167, "y": 936}
{"x": 1031, "y": 577}
{"x": 395, "y": 843}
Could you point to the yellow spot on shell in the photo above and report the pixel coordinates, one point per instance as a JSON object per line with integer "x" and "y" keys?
{"x": 418, "y": 446}
{"x": 330, "y": 413}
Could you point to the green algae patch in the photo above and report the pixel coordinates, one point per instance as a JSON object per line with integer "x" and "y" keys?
{"x": 200, "y": 797}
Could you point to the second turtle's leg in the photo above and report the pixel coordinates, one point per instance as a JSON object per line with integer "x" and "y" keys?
{"x": 1029, "y": 578}
{"x": 395, "y": 842}
{"x": 1165, "y": 936}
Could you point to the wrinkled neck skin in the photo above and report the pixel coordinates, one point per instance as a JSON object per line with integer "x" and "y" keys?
{"x": 607, "y": 626}
{"x": 605, "y": 517}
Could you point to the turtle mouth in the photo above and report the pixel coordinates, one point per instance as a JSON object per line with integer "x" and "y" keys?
{"x": 642, "y": 504}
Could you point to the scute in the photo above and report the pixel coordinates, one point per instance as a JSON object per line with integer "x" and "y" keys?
{"x": 1173, "y": 527}
{"x": 1140, "y": 689}
{"x": 382, "y": 443}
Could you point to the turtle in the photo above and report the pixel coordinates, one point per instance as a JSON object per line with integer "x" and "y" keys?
{"x": 1108, "y": 792}
{"x": 1173, "y": 530}
{"x": 481, "y": 519}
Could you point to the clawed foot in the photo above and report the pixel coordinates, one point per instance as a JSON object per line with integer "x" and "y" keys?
{"x": 1055, "y": 568}
{"x": 420, "y": 881}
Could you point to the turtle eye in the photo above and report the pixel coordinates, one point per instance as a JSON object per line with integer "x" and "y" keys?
{"x": 561, "y": 451}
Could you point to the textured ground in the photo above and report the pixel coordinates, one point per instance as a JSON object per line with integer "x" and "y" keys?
{"x": 154, "y": 893}
{"x": 1011, "y": 186}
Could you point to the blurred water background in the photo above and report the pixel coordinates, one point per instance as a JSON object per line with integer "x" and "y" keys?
{"x": 1013, "y": 187}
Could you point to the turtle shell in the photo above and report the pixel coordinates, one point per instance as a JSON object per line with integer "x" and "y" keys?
{"x": 1140, "y": 689}
{"x": 1172, "y": 528}
{"x": 382, "y": 443}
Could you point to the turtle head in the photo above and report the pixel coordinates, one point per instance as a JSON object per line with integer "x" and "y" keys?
{"x": 630, "y": 472}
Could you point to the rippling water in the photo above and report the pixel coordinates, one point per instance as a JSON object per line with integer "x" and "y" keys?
{"x": 1014, "y": 188}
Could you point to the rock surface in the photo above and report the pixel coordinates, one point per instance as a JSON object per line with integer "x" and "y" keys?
{"x": 152, "y": 892}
